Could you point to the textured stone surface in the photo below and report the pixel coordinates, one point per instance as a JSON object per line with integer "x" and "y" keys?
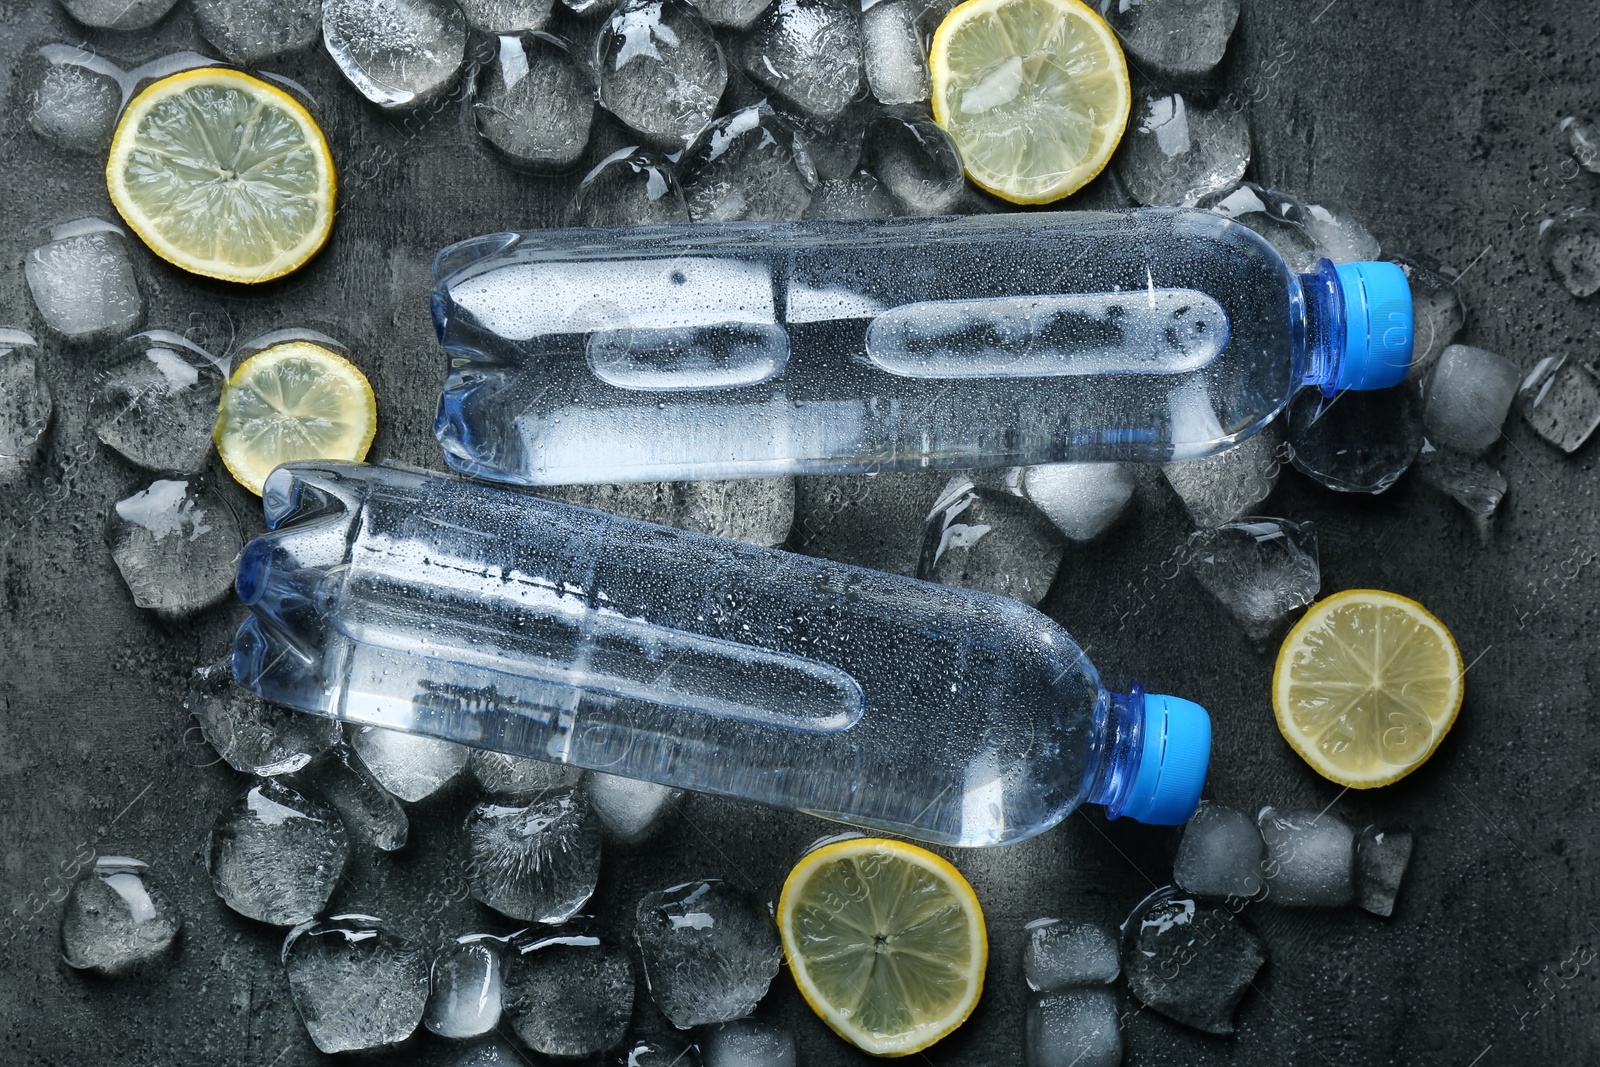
{"x": 1434, "y": 129}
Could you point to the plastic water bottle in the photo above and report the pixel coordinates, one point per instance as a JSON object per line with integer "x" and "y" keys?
{"x": 756, "y": 349}
{"x": 496, "y": 619}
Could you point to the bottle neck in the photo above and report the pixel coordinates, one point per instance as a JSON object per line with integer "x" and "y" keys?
{"x": 1121, "y": 745}
{"x": 1322, "y": 329}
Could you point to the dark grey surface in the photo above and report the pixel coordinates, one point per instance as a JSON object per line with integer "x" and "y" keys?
{"x": 1434, "y": 121}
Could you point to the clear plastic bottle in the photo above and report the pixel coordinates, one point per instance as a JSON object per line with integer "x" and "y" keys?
{"x": 500, "y": 620}
{"x": 758, "y": 348}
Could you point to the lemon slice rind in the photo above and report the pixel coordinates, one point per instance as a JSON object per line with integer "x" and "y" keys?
{"x": 905, "y": 945}
{"x": 167, "y": 177}
{"x": 1366, "y": 686}
{"x": 1035, "y": 94}
{"x": 293, "y": 401}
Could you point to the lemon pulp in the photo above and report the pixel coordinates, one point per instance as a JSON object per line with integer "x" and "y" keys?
{"x": 223, "y": 175}
{"x": 1035, "y": 94}
{"x": 1366, "y": 686}
{"x": 293, "y": 401}
{"x": 886, "y": 942}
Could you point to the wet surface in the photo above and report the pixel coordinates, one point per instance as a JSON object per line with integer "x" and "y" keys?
{"x": 1434, "y": 123}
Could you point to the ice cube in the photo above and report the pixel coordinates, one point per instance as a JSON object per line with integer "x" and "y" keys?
{"x": 832, "y": 145}
{"x": 408, "y": 765}
{"x": 1173, "y": 38}
{"x": 69, "y": 96}
{"x": 710, "y": 951}
{"x": 1583, "y": 137}
{"x": 1570, "y": 245}
{"x": 656, "y": 1052}
{"x": 1436, "y": 310}
{"x": 1304, "y": 234}
{"x": 1355, "y": 441}
{"x": 806, "y": 51}
{"x": 537, "y": 863}
{"x": 506, "y": 16}
{"x": 252, "y": 735}
{"x": 987, "y": 539}
{"x": 1274, "y": 215}
{"x": 630, "y": 187}
{"x": 1381, "y": 860}
{"x": 494, "y": 1053}
{"x": 272, "y": 338}
{"x": 1177, "y": 152}
{"x": 859, "y": 196}
{"x": 1310, "y": 858}
{"x": 356, "y": 984}
{"x": 177, "y": 545}
{"x": 1082, "y": 499}
{"x": 155, "y": 402}
{"x": 660, "y": 70}
{"x": 116, "y": 918}
{"x": 569, "y": 996}
{"x": 1104, "y": 193}
{"x": 464, "y": 988}
{"x": 118, "y": 14}
{"x": 1061, "y": 954}
{"x": 25, "y": 404}
{"x": 248, "y": 31}
{"x": 369, "y": 812}
{"x": 1468, "y": 398}
{"x": 1073, "y": 1028}
{"x": 83, "y": 282}
{"x": 1259, "y": 570}
{"x": 630, "y": 808}
{"x": 915, "y": 160}
{"x": 519, "y": 777}
{"x": 1218, "y": 489}
{"x": 534, "y": 104}
{"x": 932, "y": 13}
{"x": 1339, "y": 235}
{"x": 731, "y": 14}
{"x": 397, "y": 53}
{"x": 748, "y": 165}
{"x": 1221, "y": 853}
{"x": 1188, "y": 960}
{"x": 1560, "y": 399}
{"x": 749, "y": 1043}
{"x": 1465, "y": 478}
{"x": 276, "y": 855}
{"x": 891, "y": 51}
{"x": 870, "y": 520}
{"x": 164, "y": 66}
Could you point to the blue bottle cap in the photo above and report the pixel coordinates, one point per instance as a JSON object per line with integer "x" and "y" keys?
{"x": 1172, "y": 766}
{"x": 1378, "y": 325}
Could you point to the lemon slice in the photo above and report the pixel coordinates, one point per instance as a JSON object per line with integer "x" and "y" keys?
{"x": 886, "y": 942}
{"x": 223, "y": 175}
{"x": 293, "y": 401}
{"x": 1366, "y": 686}
{"x": 1034, "y": 93}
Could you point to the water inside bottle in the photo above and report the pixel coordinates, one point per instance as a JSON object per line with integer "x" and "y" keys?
{"x": 1160, "y": 331}
{"x": 527, "y": 627}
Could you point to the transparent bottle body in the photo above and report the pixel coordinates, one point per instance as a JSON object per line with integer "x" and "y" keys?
{"x": 504, "y": 621}
{"x": 757, "y": 349}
